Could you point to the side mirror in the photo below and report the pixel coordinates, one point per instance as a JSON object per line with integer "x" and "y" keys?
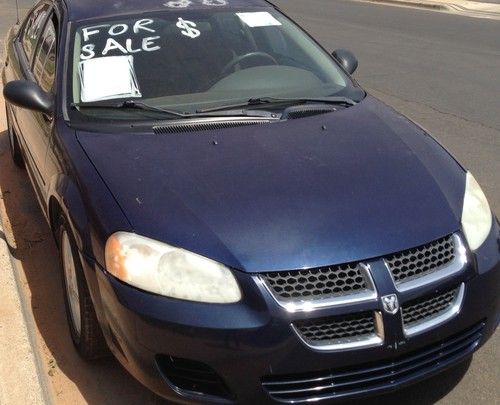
{"x": 27, "y": 94}
{"x": 346, "y": 59}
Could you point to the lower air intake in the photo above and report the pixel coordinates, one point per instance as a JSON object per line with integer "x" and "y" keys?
{"x": 192, "y": 376}
{"x": 376, "y": 376}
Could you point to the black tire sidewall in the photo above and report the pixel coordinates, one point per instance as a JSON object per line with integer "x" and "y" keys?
{"x": 77, "y": 337}
{"x": 90, "y": 342}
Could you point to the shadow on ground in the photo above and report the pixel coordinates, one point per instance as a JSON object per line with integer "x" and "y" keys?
{"x": 105, "y": 382}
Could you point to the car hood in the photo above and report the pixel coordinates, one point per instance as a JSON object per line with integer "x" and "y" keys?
{"x": 334, "y": 188}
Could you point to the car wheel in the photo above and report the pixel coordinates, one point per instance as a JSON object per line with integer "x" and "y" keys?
{"x": 84, "y": 327}
{"x": 15, "y": 150}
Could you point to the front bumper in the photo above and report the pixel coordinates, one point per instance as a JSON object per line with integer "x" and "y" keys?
{"x": 252, "y": 341}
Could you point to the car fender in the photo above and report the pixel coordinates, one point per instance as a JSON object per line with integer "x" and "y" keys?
{"x": 65, "y": 199}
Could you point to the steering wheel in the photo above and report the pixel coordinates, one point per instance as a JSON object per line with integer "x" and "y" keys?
{"x": 249, "y": 55}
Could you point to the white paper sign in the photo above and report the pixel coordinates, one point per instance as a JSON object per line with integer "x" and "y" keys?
{"x": 108, "y": 78}
{"x": 258, "y": 19}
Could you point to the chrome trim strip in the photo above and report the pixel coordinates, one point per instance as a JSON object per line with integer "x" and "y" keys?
{"x": 301, "y": 390}
{"x": 454, "y": 267}
{"x": 307, "y": 305}
{"x": 439, "y": 320}
{"x": 373, "y": 340}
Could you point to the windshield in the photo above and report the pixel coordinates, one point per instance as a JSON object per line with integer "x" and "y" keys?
{"x": 190, "y": 60}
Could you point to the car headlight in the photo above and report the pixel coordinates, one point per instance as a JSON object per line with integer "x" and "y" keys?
{"x": 476, "y": 214}
{"x": 165, "y": 270}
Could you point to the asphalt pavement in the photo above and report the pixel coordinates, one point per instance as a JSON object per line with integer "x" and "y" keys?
{"x": 441, "y": 70}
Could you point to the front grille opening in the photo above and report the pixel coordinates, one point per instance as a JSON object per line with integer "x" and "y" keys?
{"x": 192, "y": 376}
{"x": 374, "y": 376}
{"x": 418, "y": 262}
{"x": 337, "y": 330}
{"x": 318, "y": 283}
{"x": 426, "y": 309}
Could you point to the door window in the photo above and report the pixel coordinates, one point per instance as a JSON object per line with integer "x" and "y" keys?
{"x": 32, "y": 29}
{"x": 45, "y": 61}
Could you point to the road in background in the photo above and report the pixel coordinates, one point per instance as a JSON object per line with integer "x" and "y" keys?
{"x": 441, "y": 70}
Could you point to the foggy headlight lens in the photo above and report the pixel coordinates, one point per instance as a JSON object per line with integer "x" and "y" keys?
{"x": 162, "y": 269}
{"x": 476, "y": 214}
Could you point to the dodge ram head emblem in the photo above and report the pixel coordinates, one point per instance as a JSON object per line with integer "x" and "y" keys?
{"x": 390, "y": 303}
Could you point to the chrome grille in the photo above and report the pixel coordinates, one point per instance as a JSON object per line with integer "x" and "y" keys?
{"x": 325, "y": 283}
{"x": 346, "y": 331}
{"x": 373, "y": 377}
{"x": 425, "y": 313}
{"x": 425, "y": 262}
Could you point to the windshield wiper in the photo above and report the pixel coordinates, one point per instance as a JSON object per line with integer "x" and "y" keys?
{"x": 198, "y": 114}
{"x": 131, "y": 104}
{"x": 275, "y": 100}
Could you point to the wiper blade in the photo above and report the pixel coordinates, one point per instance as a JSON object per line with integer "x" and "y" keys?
{"x": 276, "y": 100}
{"x": 130, "y": 104}
{"x": 199, "y": 114}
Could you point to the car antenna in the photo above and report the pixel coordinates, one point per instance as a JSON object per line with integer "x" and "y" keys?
{"x": 17, "y": 12}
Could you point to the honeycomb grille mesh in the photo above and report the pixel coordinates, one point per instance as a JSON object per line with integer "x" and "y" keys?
{"x": 338, "y": 328}
{"x": 319, "y": 283}
{"x": 418, "y": 262}
{"x": 425, "y": 309}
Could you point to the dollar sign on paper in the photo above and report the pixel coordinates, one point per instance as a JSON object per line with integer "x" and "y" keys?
{"x": 188, "y": 28}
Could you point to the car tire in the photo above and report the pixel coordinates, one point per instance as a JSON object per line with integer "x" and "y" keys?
{"x": 84, "y": 327}
{"x": 15, "y": 149}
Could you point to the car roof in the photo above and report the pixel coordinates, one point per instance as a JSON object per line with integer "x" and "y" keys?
{"x": 89, "y": 9}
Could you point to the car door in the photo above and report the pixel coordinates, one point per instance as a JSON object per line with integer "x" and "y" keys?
{"x": 18, "y": 65}
{"x": 36, "y": 127}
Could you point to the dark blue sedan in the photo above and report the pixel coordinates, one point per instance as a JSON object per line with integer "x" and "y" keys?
{"x": 238, "y": 221}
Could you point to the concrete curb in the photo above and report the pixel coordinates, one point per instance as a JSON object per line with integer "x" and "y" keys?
{"x": 463, "y": 7}
{"x": 21, "y": 370}
{"x": 22, "y": 376}
{"x": 22, "y": 382}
